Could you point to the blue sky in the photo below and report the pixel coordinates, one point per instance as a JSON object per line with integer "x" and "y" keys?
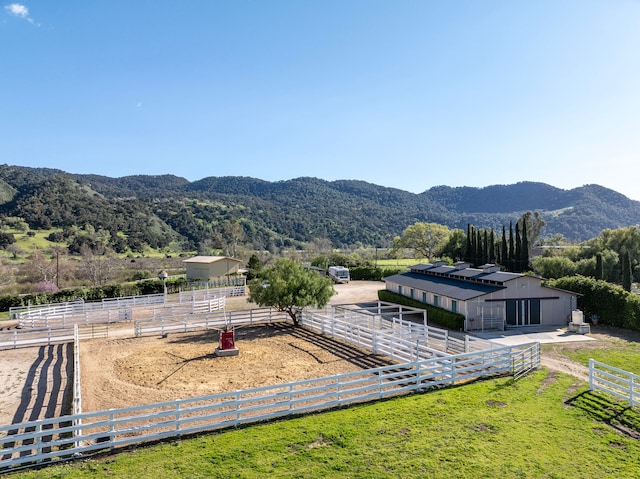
{"x": 400, "y": 93}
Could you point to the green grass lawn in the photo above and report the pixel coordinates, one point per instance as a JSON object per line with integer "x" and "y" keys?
{"x": 617, "y": 353}
{"x": 546, "y": 425}
{"x": 392, "y": 263}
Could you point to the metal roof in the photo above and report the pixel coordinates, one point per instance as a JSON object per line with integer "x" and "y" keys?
{"x": 466, "y": 273}
{"x": 501, "y": 276}
{"x": 209, "y": 259}
{"x": 445, "y": 286}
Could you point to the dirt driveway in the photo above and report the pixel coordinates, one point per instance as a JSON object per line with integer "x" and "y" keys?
{"x": 605, "y": 337}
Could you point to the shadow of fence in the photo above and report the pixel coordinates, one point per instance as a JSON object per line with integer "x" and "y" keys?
{"x": 609, "y": 410}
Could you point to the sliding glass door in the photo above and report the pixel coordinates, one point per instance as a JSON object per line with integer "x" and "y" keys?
{"x": 523, "y": 312}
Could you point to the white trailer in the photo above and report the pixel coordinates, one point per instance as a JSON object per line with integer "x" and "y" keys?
{"x": 339, "y": 274}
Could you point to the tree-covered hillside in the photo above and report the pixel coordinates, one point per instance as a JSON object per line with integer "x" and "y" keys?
{"x": 134, "y": 211}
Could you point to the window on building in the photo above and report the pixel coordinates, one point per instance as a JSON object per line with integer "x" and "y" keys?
{"x": 424, "y": 297}
{"x": 436, "y": 300}
{"x": 454, "y": 306}
{"x": 411, "y": 293}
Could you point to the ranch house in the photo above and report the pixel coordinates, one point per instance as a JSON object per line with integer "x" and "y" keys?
{"x": 211, "y": 267}
{"x": 487, "y": 297}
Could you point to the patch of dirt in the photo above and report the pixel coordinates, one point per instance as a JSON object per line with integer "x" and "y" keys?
{"x": 123, "y": 372}
{"x": 552, "y": 355}
{"x": 13, "y": 376}
{"x": 34, "y": 382}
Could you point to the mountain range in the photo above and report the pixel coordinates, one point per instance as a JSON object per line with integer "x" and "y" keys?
{"x": 145, "y": 210}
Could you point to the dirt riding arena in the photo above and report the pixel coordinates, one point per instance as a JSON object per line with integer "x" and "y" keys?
{"x": 123, "y": 371}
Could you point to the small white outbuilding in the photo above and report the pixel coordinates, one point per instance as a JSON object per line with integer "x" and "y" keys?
{"x": 211, "y": 267}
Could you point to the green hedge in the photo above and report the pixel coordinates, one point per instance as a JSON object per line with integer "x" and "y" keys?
{"x": 369, "y": 273}
{"x": 93, "y": 294}
{"x": 613, "y": 305}
{"x": 442, "y": 317}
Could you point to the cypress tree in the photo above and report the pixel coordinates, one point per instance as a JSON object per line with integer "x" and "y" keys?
{"x": 626, "y": 271}
{"x": 518, "y": 256}
{"x": 485, "y": 247}
{"x": 469, "y": 252}
{"x": 599, "y": 267}
{"x": 504, "y": 252}
{"x": 512, "y": 249}
{"x": 492, "y": 247}
{"x": 524, "y": 252}
{"x": 479, "y": 251}
{"x": 473, "y": 257}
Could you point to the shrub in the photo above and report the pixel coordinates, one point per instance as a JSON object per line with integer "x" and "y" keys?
{"x": 442, "y": 317}
{"x": 369, "y": 273}
{"x": 45, "y": 287}
{"x": 141, "y": 274}
{"x": 614, "y": 305}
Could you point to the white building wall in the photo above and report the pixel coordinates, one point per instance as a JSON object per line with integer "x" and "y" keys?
{"x": 554, "y": 311}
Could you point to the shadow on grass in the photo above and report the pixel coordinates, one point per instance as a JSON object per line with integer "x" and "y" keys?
{"x": 609, "y": 410}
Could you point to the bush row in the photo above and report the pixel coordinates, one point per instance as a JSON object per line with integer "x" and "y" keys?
{"x": 369, "y": 273}
{"x": 613, "y": 305}
{"x": 442, "y": 317}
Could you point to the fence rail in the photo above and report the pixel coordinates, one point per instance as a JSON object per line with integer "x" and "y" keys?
{"x": 618, "y": 382}
{"x": 214, "y": 320}
{"x": 61, "y": 438}
{"x": 24, "y": 338}
{"x": 67, "y": 320}
{"x": 211, "y": 292}
{"x": 80, "y": 306}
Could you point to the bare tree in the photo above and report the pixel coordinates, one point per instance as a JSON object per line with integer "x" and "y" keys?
{"x": 40, "y": 268}
{"x": 234, "y": 234}
{"x": 97, "y": 269}
{"x": 15, "y": 250}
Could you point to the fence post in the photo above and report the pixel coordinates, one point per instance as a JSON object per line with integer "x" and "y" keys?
{"x": 38, "y": 440}
{"x": 632, "y": 385}
{"x": 178, "y": 417}
{"x": 591, "y": 375}
{"x": 453, "y": 371}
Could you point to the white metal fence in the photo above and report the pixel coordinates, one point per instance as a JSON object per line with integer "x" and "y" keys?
{"x": 58, "y": 317}
{"x": 439, "y": 339}
{"x": 197, "y": 306}
{"x": 182, "y": 323}
{"x": 210, "y": 293}
{"x": 67, "y": 320}
{"x": 618, "y": 382}
{"x": 61, "y": 438}
{"x": 23, "y": 338}
{"x": 80, "y": 306}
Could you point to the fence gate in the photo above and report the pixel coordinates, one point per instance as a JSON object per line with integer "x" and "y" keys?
{"x": 525, "y": 361}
